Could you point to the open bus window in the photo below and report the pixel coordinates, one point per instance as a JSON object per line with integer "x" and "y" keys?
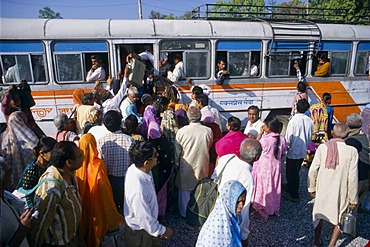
{"x": 23, "y": 67}
{"x": 195, "y": 56}
{"x": 339, "y": 63}
{"x": 362, "y": 65}
{"x": 282, "y": 63}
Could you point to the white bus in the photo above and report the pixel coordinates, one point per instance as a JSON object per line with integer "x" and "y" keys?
{"x": 54, "y": 57}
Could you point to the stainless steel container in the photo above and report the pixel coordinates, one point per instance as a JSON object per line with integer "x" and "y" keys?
{"x": 348, "y": 222}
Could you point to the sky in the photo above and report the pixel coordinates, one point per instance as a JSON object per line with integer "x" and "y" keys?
{"x": 95, "y": 9}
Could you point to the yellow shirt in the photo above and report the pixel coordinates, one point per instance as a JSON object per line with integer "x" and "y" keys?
{"x": 323, "y": 69}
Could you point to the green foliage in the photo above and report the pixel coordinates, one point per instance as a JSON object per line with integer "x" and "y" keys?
{"x": 48, "y": 13}
{"x": 290, "y": 10}
{"x": 157, "y": 15}
{"x": 238, "y": 8}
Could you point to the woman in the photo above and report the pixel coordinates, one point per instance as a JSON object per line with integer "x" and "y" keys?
{"x": 18, "y": 143}
{"x": 222, "y": 227}
{"x": 154, "y": 133}
{"x": 36, "y": 168}
{"x": 100, "y": 213}
{"x": 130, "y": 128}
{"x": 267, "y": 170}
{"x": 173, "y": 95}
{"x": 14, "y": 227}
{"x": 66, "y": 128}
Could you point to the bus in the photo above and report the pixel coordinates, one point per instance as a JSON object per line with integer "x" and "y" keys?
{"x": 53, "y": 55}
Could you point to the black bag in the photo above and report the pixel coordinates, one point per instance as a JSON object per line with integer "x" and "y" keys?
{"x": 202, "y": 200}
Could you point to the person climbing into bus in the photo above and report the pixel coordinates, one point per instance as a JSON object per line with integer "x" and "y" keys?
{"x": 222, "y": 73}
{"x": 178, "y": 71}
{"x": 323, "y": 66}
{"x": 97, "y": 72}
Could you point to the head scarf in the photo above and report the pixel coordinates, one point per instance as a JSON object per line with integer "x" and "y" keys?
{"x": 77, "y": 96}
{"x": 100, "y": 212}
{"x": 151, "y": 127}
{"x": 365, "y": 114}
{"x": 222, "y": 226}
{"x": 18, "y": 143}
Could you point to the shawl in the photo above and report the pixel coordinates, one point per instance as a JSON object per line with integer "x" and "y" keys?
{"x": 319, "y": 116}
{"x": 222, "y": 226}
{"x": 77, "y": 96}
{"x": 17, "y": 145}
{"x": 332, "y": 157}
{"x": 151, "y": 124}
{"x": 365, "y": 114}
{"x": 100, "y": 212}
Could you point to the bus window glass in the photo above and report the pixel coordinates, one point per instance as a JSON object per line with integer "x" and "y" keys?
{"x": 196, "y": 64}
{"x": 338, "y": 62}
{"x": 38, "y": 68}
{"x": 69, "y": 67}
{"x": 362, "y": 63}
{"x": 17, "y": 68}
{"x": 239, "y": 63}
{"x": 279, "y": 64}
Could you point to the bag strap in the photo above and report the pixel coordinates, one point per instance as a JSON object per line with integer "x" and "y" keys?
{"x": 219, "y": 175}
{"x": 30, "y": 191}
{"x": 215, "y": 181}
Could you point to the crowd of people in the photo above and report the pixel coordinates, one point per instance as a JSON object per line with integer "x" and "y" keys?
{"x": 126, "y": 157}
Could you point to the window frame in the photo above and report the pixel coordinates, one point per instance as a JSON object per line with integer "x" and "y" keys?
{"x": 365, "y": 49}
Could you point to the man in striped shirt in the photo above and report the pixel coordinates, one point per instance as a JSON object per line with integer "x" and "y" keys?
{"x": 57, "y": 199}
{"x": 114, "y": 149}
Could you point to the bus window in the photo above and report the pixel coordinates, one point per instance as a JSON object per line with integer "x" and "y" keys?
{"x": 72, "y": 59}
{"x": 242, "y": 57}
{"x": 362, "y": 65}
{"x": 281, "y": 60}
{"x": 22, "y": 60}
{"x": 195, "y": 56}
{"x": 332, "y": 59}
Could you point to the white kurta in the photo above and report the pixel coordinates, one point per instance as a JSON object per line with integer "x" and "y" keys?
{"x": 335, "y": 188}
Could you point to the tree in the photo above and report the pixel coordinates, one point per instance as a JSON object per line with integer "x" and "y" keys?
{"x": 239, "y": 9}
{"x": 157, "y": 15}
{"x": 344, "y": 10}
{"x": 48, "y": 13}
{"x": 293, "y": 9}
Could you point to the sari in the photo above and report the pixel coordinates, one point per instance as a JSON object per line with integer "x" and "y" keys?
{"x": 17, "y": 145}
{"x": 99, "y": 212}
{"x": 77, "y": 96}
{"x": 222, "y": 227}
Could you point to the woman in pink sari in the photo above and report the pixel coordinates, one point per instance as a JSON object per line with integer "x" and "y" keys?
{"x": 267, "y": 170}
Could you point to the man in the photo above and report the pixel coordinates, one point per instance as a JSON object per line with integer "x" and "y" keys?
{"x": 195, "y": 141}
{"x": 57, "y": 200}
{"x": 254, "y": 124}
{"x": 230, "y": 143}
{"x": 132, "y": 97}
{"x": 110, "y": 101}
{"x": 96, "y": 72}
{"x": 240, "y": 169}
{"x": 141, "y": 206}
{"x": 333, "y": 182}
{"x": 206, "y": 109}
{"x": 354, "y": 122}
{"x": 114, "y": 150}
{"x": 87, "y": 112}
{"x": 298, "y": 137}
{"x": 178, "y": 71}
{"x": 222, "y": 73}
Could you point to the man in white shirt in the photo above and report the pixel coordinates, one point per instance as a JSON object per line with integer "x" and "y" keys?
{"x": 140, "y": 202}
{"x": 298, "y": 137}
{"x": 178, "y": 71}
{"x": 96, "y": 72}
{"x": 254, "y": 124}
{"x": 240, "y": 169}
{"x": 132, "y": 97}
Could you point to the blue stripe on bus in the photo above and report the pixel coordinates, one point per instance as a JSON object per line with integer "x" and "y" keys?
{"x": 292, "y": 46}
{"x": 335, "y": 46}
{"x": 81, "y": 46}
{"x": 33, "y": 46}
{"x": 364, "y": 46}
{"x": 238, "y": 45}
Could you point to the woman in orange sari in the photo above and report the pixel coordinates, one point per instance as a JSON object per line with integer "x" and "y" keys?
{"x": 99, "y": 212}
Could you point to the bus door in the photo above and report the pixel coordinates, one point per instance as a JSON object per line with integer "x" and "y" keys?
{"x": 241, "y": 89}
